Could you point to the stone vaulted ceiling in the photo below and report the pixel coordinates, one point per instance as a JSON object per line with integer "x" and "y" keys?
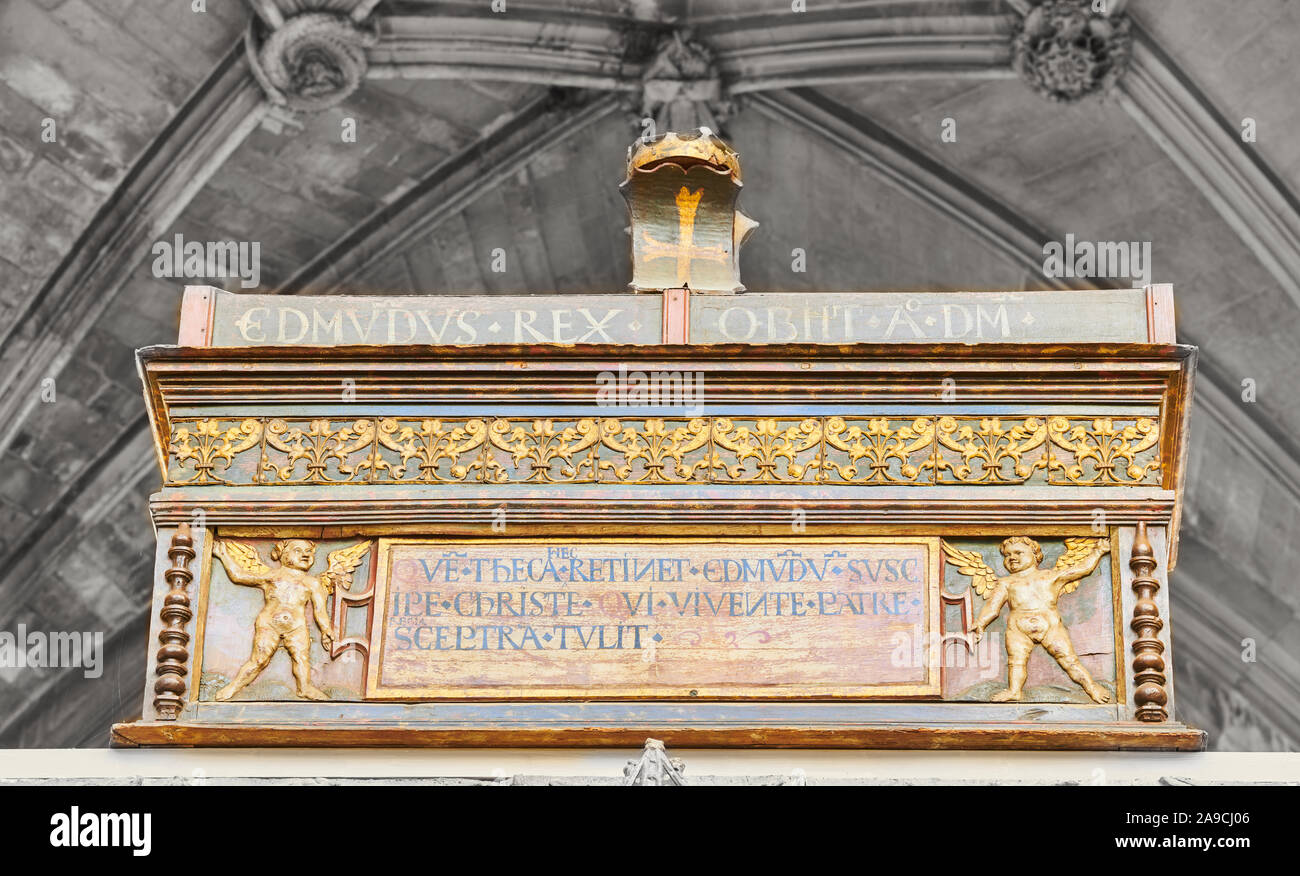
{"x": 477, "y": 130}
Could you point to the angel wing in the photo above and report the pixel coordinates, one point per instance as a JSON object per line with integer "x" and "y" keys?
{"x": 1076, "y": 551}
{"x": 982, "y": 577}
{"x": 342, "y": 563}
{"x": 246, "y": 561}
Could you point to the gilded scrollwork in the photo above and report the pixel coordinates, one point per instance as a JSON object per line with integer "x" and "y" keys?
{"x": 881, "y": 451}
{"x": 552, "y": 453}
{"x": 428, "y": 451}
{"x": 197, "y": 449}
{"x": 845, "y": 450}
{"x": 767, "y": 450}
{"x": 987, "y": 451}
{"x": 656, "y": 452}
{"x": 1101, "y": 451}
{"x": 309, "y": 449}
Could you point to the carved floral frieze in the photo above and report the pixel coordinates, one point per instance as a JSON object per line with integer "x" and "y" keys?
{"x": 835, "y": 450}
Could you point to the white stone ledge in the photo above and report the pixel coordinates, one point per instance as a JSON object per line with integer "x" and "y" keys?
{"x": 568, "y": 766}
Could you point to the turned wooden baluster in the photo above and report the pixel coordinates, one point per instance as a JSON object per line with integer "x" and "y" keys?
{"x": 173, "y": 654}
{"x": 1148, "y": 651}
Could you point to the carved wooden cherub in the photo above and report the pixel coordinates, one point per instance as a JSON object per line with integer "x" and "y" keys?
{"x": 1032, "y": 593}
{"x": 287, "y": 589}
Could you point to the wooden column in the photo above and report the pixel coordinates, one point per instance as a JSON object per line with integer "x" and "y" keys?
{"x": 173, "y": 654}
{"x": 1149, "y": 695}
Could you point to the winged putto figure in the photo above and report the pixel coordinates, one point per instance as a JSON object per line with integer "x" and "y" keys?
{"x": 1032, "y": 593}
{"x": 287, "y": 589}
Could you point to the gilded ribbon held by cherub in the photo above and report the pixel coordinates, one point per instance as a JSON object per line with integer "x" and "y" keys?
{"x": 1032, "y": 594}
{"x": 287, "y": 590}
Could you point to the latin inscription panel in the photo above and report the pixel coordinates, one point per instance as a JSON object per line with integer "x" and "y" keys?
{"x": 1094, "y": 316}
{"x": 689, "y": 618}
{"x": 1097, "y": 316}
{"x": 258, "y": 320}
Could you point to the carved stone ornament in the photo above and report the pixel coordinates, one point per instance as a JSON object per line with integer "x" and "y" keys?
{"x": 311, "y": 62}
{"x": 681, "y": 89}
{"x": 654, "y": 767}
{"x": 1066, "y": 51}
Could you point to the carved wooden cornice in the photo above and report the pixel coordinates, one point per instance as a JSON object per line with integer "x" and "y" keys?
{"x": 725, "y": 448}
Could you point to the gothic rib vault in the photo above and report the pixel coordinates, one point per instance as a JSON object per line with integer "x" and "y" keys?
{"x": 477, "y": 131}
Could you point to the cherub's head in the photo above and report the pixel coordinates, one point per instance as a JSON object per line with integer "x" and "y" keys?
{"x": 296, "y": 553}
{"x": 1020, "y": 553}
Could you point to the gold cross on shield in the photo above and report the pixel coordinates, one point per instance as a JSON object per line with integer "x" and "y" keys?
{"x": 684, "y": 251}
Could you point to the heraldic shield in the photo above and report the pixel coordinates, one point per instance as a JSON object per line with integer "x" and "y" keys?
{"x": 681, "y": 191}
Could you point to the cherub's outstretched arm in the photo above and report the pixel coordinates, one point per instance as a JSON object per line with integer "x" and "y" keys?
{"x": 1076, "y": 571}
{"x": 242, "y": 567}
{"x": 322, "y": 616}
{"x": 992, "y": 608}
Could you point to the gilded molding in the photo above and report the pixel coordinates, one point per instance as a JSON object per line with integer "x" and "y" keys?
{"x": 909, "y": 451}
